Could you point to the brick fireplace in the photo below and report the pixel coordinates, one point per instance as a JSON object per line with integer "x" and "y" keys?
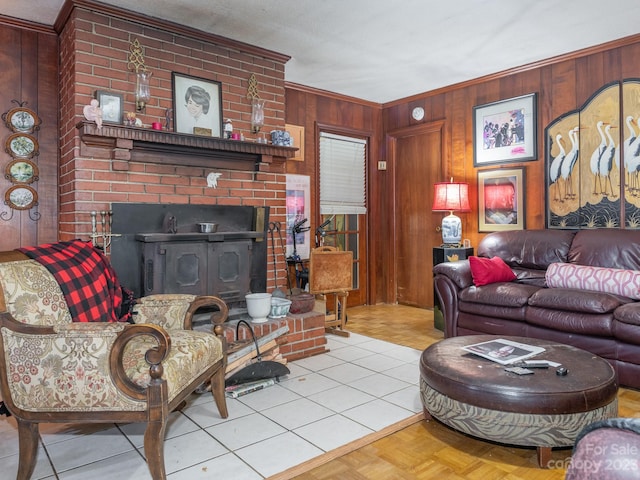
{"x": 121, "y": 165}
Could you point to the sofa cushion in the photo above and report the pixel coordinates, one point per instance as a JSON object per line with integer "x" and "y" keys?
{"x": 597, "y": 279}
{"x": 576, "y": 300}
{"x": 502, "y": 294}
{"x": 600, "y": 325}
{"x": 626, "y": 326}
{"x": 530, "y": 276}
{"x": 606, "y": 248}
{"x": 527, "y": 248}
{"x": 489, "y": 270}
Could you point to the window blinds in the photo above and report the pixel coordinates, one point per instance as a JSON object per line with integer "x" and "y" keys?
{"x": 342, "y": 174}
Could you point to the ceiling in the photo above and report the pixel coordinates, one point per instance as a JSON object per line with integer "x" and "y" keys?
{"x": 382, "y": 51}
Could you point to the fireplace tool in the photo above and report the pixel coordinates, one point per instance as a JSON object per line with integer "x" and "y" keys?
{"x": 106, "y": 220}
{"x": 275, "y": 227}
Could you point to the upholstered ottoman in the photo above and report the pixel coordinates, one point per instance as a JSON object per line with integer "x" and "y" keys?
{"x": 478, "y": 397}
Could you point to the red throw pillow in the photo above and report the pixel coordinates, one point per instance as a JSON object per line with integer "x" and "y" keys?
{"x": 490, "y": 270}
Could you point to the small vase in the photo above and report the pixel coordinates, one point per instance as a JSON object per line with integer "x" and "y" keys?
{"x": 258, "y": 306}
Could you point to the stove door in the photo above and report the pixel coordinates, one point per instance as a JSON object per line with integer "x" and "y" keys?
{"x": 229, "y": 269}
{"x": 185, "y": 267}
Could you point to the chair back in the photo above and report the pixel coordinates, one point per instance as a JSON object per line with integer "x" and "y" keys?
{"x": 31, "y": 294}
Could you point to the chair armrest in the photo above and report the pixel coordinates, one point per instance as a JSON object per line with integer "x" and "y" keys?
{"x": 175, "y": 311}
{"x": 65, "y": 367}
{"x": 153, "y": 357}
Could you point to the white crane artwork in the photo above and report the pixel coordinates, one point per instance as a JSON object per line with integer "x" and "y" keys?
{"x": 596, "y": 157}
{"x": 569, "y": 162}
{"x": 632, "y": 156}
{"x": 611, "y": 156}
{"x": 554, "y": 169}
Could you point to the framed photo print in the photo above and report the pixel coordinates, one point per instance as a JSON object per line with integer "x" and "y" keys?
{"x": 112, "y": 105}
{"x": 501, "y": 200}
{"x": 197, "y": 105}
{"x": 505, "y": 131}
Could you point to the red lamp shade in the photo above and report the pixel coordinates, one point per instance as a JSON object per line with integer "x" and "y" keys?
{"x": 451, "y": 197}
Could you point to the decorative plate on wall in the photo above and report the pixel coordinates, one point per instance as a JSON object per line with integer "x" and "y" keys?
{"x": 21, "y": 171}
{"x": 21, "y": 145}
{"x": 21, "y": 197}
{"x": 22, "y": 120}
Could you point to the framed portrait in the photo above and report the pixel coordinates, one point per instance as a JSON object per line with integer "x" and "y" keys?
{"x": 505, "y": 131}
{"x": 501, "y": 200}
{"x": 112, "y": 105}
{"x": 197, "y": 105}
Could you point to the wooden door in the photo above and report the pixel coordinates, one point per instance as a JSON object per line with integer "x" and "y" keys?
{"x": 416, "y": 158}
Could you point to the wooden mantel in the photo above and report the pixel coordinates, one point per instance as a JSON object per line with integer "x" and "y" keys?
{"x": 132, "y": 144}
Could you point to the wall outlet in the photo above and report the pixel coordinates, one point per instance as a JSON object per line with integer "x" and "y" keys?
{"x": 382, "y": 165}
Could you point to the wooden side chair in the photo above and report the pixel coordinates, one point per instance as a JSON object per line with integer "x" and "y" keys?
{"x": 55, "y": 370}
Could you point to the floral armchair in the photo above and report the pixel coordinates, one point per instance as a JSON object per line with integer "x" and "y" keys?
{"x": 56, "y": 370}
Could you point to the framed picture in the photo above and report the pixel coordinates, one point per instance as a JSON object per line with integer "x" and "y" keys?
{"x": 505, "y": 131}
{"x": 297, "y": 136}
{"x": 112, "y": 105}
{"x": 197, "y": 105}
{"x": 501, "y": 200}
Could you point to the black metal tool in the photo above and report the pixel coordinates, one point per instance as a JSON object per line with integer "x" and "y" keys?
{"x": 275, "y": 227}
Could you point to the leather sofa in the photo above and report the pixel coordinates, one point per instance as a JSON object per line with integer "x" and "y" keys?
{"x": 603, "y": 323}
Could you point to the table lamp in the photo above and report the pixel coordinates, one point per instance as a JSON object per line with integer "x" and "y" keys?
{"x": 451, "y": 197}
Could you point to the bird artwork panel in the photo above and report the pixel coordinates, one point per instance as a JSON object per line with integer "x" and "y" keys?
{"x": 590, "y": 162}
{"x": 631, "y": 151}
{"x": 600, "y": 159}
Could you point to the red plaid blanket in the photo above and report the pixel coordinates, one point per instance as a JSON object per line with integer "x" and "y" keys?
{"x": 87, "y": 279}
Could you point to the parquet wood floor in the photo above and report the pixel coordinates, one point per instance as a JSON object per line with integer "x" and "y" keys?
{"x": 430, "y": 450}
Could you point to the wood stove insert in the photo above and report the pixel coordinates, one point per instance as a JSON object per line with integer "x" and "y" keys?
{"x": 229, "y": 263}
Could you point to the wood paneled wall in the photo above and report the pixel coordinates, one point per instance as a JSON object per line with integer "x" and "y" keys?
{"x": 312, "y": 109}
{"x": 562, "y": 84}
{"x": 29, "y": 66}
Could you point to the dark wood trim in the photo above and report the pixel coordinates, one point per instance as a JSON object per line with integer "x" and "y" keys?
{"x": 331, "y": 95}
{"x": 173, "y": 28}
{"x": 156, "y": 146}
{"x": 26, "y": 24}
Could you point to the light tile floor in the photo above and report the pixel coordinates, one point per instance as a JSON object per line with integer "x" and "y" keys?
{"x": 360, "y": 386}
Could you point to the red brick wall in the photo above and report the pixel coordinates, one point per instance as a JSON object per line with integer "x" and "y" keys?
{"x": 94, "y": 53}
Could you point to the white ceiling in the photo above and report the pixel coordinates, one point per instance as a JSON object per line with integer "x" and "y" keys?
{"x": 382, "y": 51}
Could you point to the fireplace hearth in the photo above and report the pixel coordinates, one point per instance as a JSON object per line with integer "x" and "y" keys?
{"x": 159, "y": 249}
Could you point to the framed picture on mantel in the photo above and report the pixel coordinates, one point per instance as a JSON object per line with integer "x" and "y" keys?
{"x": 197, "y": 105}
